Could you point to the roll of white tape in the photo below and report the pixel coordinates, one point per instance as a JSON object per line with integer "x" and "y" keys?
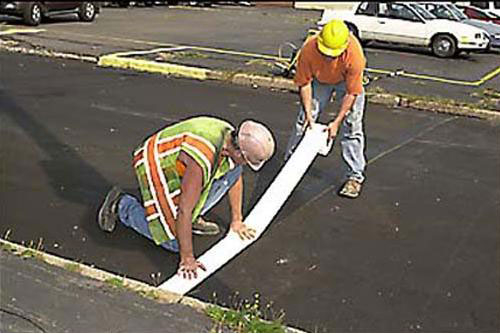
{"x": 314, "y": 141}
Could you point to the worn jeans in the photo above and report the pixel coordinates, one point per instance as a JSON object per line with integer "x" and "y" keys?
{"x": 351, "y": 133}
{"x": 132, "y": 214}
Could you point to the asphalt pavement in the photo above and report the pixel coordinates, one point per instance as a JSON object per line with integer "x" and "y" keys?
{"x": 417, "y": 251}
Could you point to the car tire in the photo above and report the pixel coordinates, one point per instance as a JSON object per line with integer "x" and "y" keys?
{"x": 33, "y": 14}
{"x": 353, "y": 29}
{"x": 87, "y": 11}
{"x": 444, "y": 46}
{"x": 123, "y": 4}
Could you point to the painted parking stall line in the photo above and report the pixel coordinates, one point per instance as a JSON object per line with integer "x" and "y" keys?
{"x": 12, "y": 31}
{"x": 315, "y": 141}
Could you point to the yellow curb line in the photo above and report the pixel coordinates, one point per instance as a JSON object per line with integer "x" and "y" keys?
{"x": 257, "y": 80}
{"x": 281, "y": 83}
{"x": 476, "y": 83}
{"x": 11, "y": 31}
{"x": 155, "y": 67}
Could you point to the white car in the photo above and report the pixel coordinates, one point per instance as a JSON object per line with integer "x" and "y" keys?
{"x": 448, "y": 11}
{"x": 410, "y": 24}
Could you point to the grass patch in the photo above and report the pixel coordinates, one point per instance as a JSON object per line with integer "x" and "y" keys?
{"x": 8, "y": 248}
{"x": 182, "y": 55}
{"x": 260, "y": 62}
{"x": 247, "y": 317}
{"x": 28, "y": 253}
{"x": 74, "y": 267}
{"x": 151, "y": 294}
{"x": 116, "y": 282}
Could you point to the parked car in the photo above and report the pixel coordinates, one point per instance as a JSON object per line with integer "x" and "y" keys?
{"x": 32, "y": 12}
{"x": 410, "y": 24}
{"x": 448, "y": 11}
{"x": 490, "y": 6}
{"x": 479, "y": 14}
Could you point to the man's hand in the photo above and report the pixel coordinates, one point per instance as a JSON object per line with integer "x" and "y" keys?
{"x": 244, "y": 232}
{"x": 333, "y": 128}
{"x": 308, "y": 122}
{"x": 188, "y": 267}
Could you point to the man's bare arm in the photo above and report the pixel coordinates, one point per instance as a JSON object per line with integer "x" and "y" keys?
{"x": 191, "y": 187}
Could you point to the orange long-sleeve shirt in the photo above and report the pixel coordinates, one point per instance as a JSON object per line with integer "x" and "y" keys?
{"x": 348, "y": 67}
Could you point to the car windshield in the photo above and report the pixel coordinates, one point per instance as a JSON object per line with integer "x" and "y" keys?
{"x": 457, "y": 12}
{"x": 443, "y": 12}
{"x": 486, "y": 14}
{"x": 422, "y": 11}
{"x": 493, "y": 15}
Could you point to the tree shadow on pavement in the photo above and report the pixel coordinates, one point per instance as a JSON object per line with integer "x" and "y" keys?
{"x": 74, "y": 180}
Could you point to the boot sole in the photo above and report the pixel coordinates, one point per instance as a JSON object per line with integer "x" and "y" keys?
{"x": 107, "y": 219}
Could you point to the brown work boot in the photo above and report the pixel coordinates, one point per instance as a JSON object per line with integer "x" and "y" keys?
{"x": 202, "y": 227}
{"x": 351, "y": 189}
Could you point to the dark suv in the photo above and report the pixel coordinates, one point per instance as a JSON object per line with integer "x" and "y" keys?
{"x": 32, "y": 12}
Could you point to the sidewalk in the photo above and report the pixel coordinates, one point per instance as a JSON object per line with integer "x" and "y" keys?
{"x": 39, "y": 297}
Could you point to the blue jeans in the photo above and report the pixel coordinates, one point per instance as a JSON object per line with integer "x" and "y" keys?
{"x": 351, "y": 133}
{"x": 132, "y": 214}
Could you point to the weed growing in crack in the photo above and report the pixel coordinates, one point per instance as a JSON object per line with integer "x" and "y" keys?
{"x": 151, "y": 294}
{"x": 246, "y": 316}
{"x": 116, "y": 282}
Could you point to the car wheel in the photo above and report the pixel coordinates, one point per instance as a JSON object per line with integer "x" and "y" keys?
{"x": 87, "y": 12}
{"x": 444, "y": 46}
{"x": 123, "y": 4}
{"x": 33, "y": 14}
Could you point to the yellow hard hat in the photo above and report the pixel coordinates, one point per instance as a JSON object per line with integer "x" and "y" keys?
{"x": 333, "y": 38}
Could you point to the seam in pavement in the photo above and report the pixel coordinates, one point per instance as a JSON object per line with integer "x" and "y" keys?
{"x": 161, "y": 296}
{"x": 199, "y": 73}
{"x": 382, "y": 154}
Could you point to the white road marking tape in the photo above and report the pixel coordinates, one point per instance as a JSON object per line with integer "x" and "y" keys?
{"x": 314, "y": 142}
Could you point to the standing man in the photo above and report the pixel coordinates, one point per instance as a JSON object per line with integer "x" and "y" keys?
{"x": 334, "y": 61}
{"x": 183, "y": 171}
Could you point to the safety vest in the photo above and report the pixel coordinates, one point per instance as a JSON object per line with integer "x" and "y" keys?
{"x": 160, "y": 173}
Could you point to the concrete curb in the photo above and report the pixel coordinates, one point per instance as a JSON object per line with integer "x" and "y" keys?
{"x": 198, "y": 73}
{"x": 393, "y": 100}
{"x": 147, "y": 291}
{"x": 45, "y": 53}
{"x": 101, "y": 275}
